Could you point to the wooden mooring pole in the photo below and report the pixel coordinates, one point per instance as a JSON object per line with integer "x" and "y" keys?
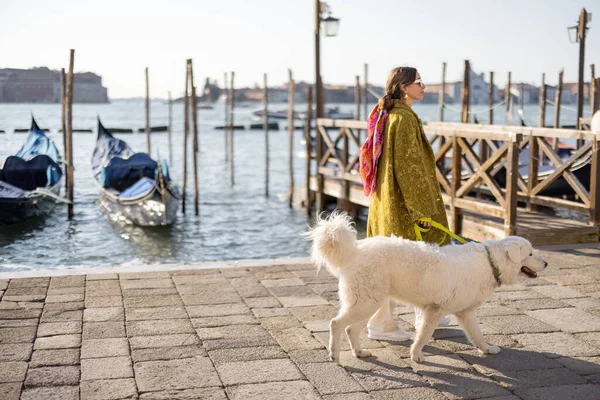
{"x": 309, "y": 148}
{"x": 442, "y": 95}
{"x": 593, "y": 90}
{"x": 508, "y": 98}
{"x": 63, "y": 86}
{"x": 358, "y": 101}
{"x": 196, "y": 143}
{"x": 491, "y": 99}
{"x": 557, "y": 102}
{"x": 69, "y": 136}
{"x": 266, "y": 128}
{"x": 231, "y": 131}
{"x": 291, "y": 98}
{"x": 366, "y": 109}
{"x": 148, "y": 114}
{"x": 534, "y": 150}
{"x": 186, "y": 129}
{"x": 466, "y": 93}
{"x": 521, "y": 102}
{"x": 456, "y": 214}
{"x": 225, "y": 129}
{"x": 170, "y": 130}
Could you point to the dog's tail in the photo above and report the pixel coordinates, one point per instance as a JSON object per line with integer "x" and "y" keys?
{"x": 333, "y": 242}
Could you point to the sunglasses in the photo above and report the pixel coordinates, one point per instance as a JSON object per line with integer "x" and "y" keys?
{"x": 420, "y": 82}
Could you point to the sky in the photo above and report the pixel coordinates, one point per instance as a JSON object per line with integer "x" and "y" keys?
{"x": 118, "y": 39}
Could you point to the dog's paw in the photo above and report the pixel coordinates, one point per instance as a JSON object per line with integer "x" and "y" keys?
{"x": 361, "y": 353}
{"x": 417, "y": 357}
{"x": 492, "y": 350}
{"x": 334, "y": 356}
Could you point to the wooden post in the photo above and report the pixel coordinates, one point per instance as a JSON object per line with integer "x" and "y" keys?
{"x": 148, "y": 113}
{"x": 69, "y": 129}
{"x": 534, "y": 150}
{"x": 231, "y": 133}
{"x": 596, "y": 94}
{"x": 542, "y": 121}
{"x": 358, "y": 101}
{"x": 508, "y": 98}
{"x": 512, "y": 174}
{"x": 456, "y": 215}
{"x": 521, "y": 101}
{"x": 491, "y": 99}
{"x": 291, "y": 98}
{"x": 266, "y": 128}
{"x": 557, "y": 102}
{"x": 196, "y": 144}
{"x": 309, "y": 148}
{"x": 170, "y": 130}
{"x": 63, "y": 86}
{"x": 465, "y": 93}
{"x": 443, "y": 94}
{"x": 366, "y": 109}
{"x": 593, "y": 89}
{"x": 186, "y": 129}
{"x": 594, "y": 189}
{"x": 225, "y": 128}
{"x": 581, "y": 34}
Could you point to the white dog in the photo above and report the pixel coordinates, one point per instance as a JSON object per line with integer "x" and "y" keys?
{"x": 438, "y": 280}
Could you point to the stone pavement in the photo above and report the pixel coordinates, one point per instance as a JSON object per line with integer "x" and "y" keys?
{"x": 261, "y": 332}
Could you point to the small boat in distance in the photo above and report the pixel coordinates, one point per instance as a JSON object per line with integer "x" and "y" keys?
{"x": 134, "y": 188}
{"x": 30, "y": 180}
{"x": 332, "y": 113}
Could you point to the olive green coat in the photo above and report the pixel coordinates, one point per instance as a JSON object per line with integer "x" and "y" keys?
{"x": 407, "y": 187}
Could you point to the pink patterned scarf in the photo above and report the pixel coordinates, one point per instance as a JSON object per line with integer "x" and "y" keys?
{"x": 370, "y": 152}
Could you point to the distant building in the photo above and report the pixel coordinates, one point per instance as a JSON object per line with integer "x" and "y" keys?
{"x": 42, "y": 85}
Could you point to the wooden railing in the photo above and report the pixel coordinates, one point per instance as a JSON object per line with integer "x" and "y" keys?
{"x": 485, "y": 182}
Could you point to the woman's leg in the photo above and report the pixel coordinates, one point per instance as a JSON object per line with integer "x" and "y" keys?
{"x": 383, "y": 326}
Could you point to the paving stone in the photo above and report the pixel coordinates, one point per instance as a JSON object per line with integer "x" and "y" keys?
{"x": 366, "y": 343}
{"x": 317, "y": 326}
{"x": 417, "y": 393}
{"x": 441, "y": 364}
{"x": 584, "y": 303}
{"x": 15, "y": 352}
{"x": 211, "y": 298}
{"x": 20, "y": 314}
{"x": 103, "y": 330}
{"x": 18, "y": 323}
{"x": 500, "y": 296}
{"x": 106, "y": 368}
{"x": 222, "y": 356}
{"x": 292, "y": 291}
{"x": 263, "y": 302}
{"x": 152, "y": 301}
{"x": 147, "y": 342}
{"x": 231, "y": 332}
{"x": 513, "y": 324}
{"x": 59, "y": 328}
{"x": 53, "y": 376}
{"x": 274, "y": 391}
{"x": 321, "y": 288}
{"x": 55, "y": 316}
{"x": 537, "y": 304}
{"x": 329, "y": 378}
{"x": 24, "y": 291}
{"x": 273, "y": 273}
{"x": 579, "y": 392}
{"x": 387, "y": 379}
{"x": 168, "y": 353}
{"x": 258, "y": 371}
{"x": 102, "y": 286}
{"x": 51, "y": 358}
{"x": 101, "y": 348}
{"x": 24, "y": 334}
{"x": 465, "y": 385}
{"x": 141, "y": 314}
{"x": 581, "y": 365}
{"x": 67, "y": 281}
{"x": 206, "y": 289}
{"x": 3, "y": 284}
{"x": 101, "y": 277}
{"x": 66, "y": 290}
{"x": 105, "y": 301}
{"x": 348, "y": 396}
{"x": 509, "y": 360}
{"x": 253, "y": 291}
{"x": 145, "y": 275}
{"x": 314, "y": 313}
{"x": 199, "y": 279}
{"x": 290, "y": 281}
{"x": 25, "y": 304}
{"x": 556, "y": 344}
{"x": 570, "y": 279}
{"x": 186, "y": 373}
{"x": 280, "y": 323}
{"x": 64, "y": 298}
{"x": 24, "y": 298}
{"x": 224, "y": 321}
{"x": 296, "y": 339}
{"x": 103, "y": 314}
{"x": 57, "y": 342}
{"x": 592, "y": 338}
{"x": 188, "y": 394}
{"x": 147, "y": 284}
{"x": 537, "y": 378}
{"x": 28, "y": 282}
{"x": 51, "y": 393}
{"x": 309, "y": 356}
{"x": 570, "y": 320}
{"x": 304, "y": 301}
{"x": 172, "y": 291}
{"x": 108, "y": 389}
{"x": 72, "y": 306}
{"x": 159, "y": 327}
{"x": 270, "y": 312}
{"x": 217, "y": 310}
{"x": 10, "y": 391}
{"x": 12, "y": 371}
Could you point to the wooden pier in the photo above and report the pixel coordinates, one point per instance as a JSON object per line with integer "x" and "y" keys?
{"x": 480, "y": 204}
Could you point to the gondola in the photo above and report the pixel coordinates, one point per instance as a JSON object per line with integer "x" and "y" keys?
{"x": 30, "y": 180}
{"x": 134, "y": 188}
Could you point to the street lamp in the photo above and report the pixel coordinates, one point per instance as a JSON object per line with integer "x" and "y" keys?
{"x": 577, "y": 35}
{"x": 332, "y": 27}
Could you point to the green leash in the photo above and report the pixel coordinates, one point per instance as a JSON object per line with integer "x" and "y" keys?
{"x": 439, "y": 226}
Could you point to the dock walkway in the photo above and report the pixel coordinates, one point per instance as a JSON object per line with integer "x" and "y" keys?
{"x": 260, "y": 331}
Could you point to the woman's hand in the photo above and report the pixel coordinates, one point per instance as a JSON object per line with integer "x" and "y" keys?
{"x": 424, "y": 224}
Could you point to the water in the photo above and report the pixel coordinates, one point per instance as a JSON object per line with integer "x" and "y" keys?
{"x": 236, "y": 222}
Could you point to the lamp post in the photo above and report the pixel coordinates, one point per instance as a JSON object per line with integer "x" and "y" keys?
{"x": 332, "y": 26}
{"x": 577, "y": 34}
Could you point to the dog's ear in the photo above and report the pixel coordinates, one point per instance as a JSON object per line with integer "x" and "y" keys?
{"x": 513, "y": 250}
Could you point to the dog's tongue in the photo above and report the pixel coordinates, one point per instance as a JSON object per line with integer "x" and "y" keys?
{"x": 528, "y": 272}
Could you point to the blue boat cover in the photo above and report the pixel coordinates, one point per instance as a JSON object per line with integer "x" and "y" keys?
{"x": 116, "y": 166}
{"x": 35, "y": 165}
{"x": 141, "y": 187}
